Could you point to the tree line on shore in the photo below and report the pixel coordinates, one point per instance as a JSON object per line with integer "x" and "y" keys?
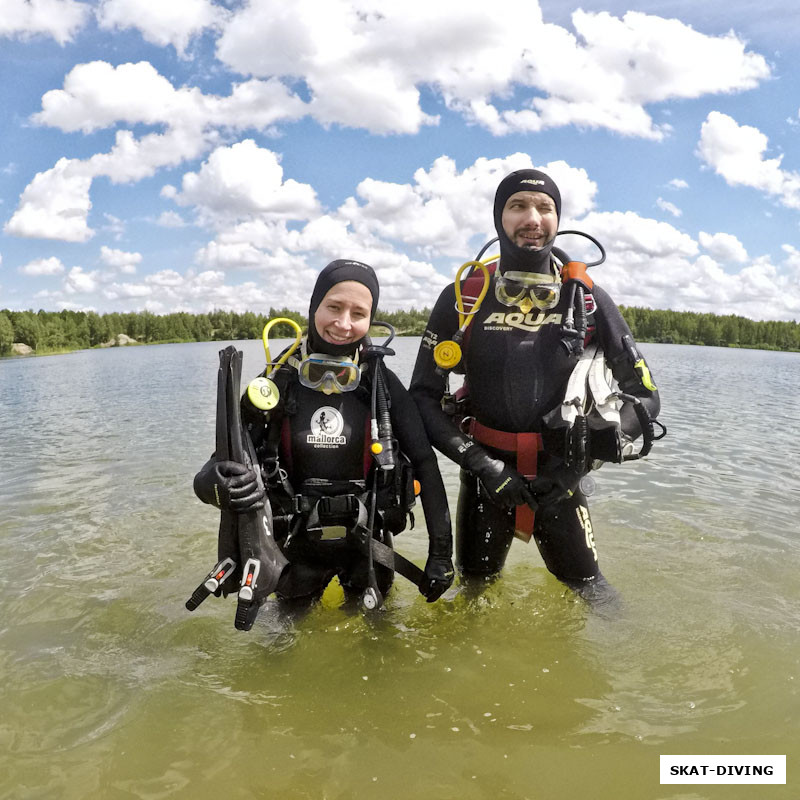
{"x": 56, "y": 331}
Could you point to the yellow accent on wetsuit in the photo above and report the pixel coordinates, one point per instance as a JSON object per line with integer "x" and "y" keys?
{"x": 644, "y": 375}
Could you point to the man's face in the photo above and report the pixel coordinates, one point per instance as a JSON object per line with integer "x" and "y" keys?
{"x": 529, "y": 219}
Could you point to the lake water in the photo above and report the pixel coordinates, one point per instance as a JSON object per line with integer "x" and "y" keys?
{"x": 112, "y": 690}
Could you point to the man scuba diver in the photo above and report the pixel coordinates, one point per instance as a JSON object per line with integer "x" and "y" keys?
{"x": 525, "y": 428}
{"x": 333, "y": 483}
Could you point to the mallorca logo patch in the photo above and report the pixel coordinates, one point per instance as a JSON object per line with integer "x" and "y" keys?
{"x": 326, "y": 428}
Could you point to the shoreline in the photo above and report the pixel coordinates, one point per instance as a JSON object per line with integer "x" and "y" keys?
{"x": 68, "y": 351}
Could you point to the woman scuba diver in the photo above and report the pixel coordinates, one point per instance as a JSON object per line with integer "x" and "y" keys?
{"x": 339, "y": 451}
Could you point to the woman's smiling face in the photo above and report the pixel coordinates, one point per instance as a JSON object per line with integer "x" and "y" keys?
{"x": 343, "y": 316}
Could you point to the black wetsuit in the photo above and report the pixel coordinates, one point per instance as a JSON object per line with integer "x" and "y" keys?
{"x": 319, "y": 444}
{"x": 516, "y": 371}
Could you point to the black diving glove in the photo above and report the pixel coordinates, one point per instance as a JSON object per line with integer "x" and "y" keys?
{"x": 229, "y": 486}
{"x": 555, "y": 483}
{"x": 503, "y": 484}
{"x": 438, "y": 577}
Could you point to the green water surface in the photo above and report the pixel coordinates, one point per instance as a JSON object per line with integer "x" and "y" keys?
{"x": 112, "y": 690}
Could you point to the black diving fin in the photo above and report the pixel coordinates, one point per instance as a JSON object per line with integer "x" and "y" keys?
{"x": 219, "y": 579}
{"x": 261, "y": 559}
{"x": 246, "y": 548}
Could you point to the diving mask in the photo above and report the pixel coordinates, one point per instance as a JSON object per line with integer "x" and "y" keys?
{"x": 527, "y": 289}
{"x": 329, "y": 374}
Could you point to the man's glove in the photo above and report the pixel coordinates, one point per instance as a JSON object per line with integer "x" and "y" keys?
{"x": 229, "y": 486}
{"x": 503, "y": 484}
{"x": 555, "y": 483}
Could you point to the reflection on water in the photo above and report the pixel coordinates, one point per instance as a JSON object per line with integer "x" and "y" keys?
{"x": 111, "y": 689}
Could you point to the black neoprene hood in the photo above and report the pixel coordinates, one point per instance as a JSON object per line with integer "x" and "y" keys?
{"x": 337, "y": 272}
{"x": 512, "y": 257}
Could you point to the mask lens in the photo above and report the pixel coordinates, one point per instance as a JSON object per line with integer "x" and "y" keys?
{"x": 508, "y": 291}
{"x": 545, "y": 295}
{"x": 315, "y": 373}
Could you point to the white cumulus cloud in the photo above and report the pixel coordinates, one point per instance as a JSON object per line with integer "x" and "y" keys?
{"x": 77, "y": 281}
{"x": 364, "y": 64}
{"x": 723, "y": 246}
{"x": 55, "y": 204}
{"x": 368, "y": 66}
{"x": 670, "y": 208}
{"x": 98, "y": 95}
{"x": 792, "y": 260}
{"x": 171, "y": 219}
{"x": 163, "y": 23}
{"x": 43, "y": 266}
{"x": 652, "y": 264}
{"x": 245, "y": 180}
{"x": 737, "y": 153}
{"x": 126, "y": 291}
{"x": 59, "y": 19}
{"x": 438, "y": 215}
{"x": 120, "y": 260}
{"x": 445, "y": 208}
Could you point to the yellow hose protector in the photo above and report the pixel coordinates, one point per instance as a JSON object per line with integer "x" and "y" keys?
{"x": 465, "y": 317}
{"x": 298, "y": 335}
{"x": 447, "y": 354}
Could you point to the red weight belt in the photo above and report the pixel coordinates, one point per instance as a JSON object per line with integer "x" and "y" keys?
{"x": 527, "y": 447}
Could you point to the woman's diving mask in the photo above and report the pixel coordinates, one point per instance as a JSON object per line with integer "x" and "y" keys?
{"x": 527, "y": 290}
{"x": 329, "y": 374}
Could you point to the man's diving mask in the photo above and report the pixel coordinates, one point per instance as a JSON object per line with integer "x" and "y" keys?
{"x": 328, "y": 374}
{"x": 527, "y": 290}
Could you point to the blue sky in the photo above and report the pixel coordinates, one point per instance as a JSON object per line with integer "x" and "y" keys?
{"x": 194, "y": 155}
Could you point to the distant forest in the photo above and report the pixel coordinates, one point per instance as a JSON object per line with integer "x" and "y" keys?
{"x": 59, "y": 331}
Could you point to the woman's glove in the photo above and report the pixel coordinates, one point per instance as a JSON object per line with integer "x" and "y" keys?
{"x": 229, "y": 486}
{"x": 438, "y": 577}
{"x": 439, "y": 566}
{"x": 503, "y": 484}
